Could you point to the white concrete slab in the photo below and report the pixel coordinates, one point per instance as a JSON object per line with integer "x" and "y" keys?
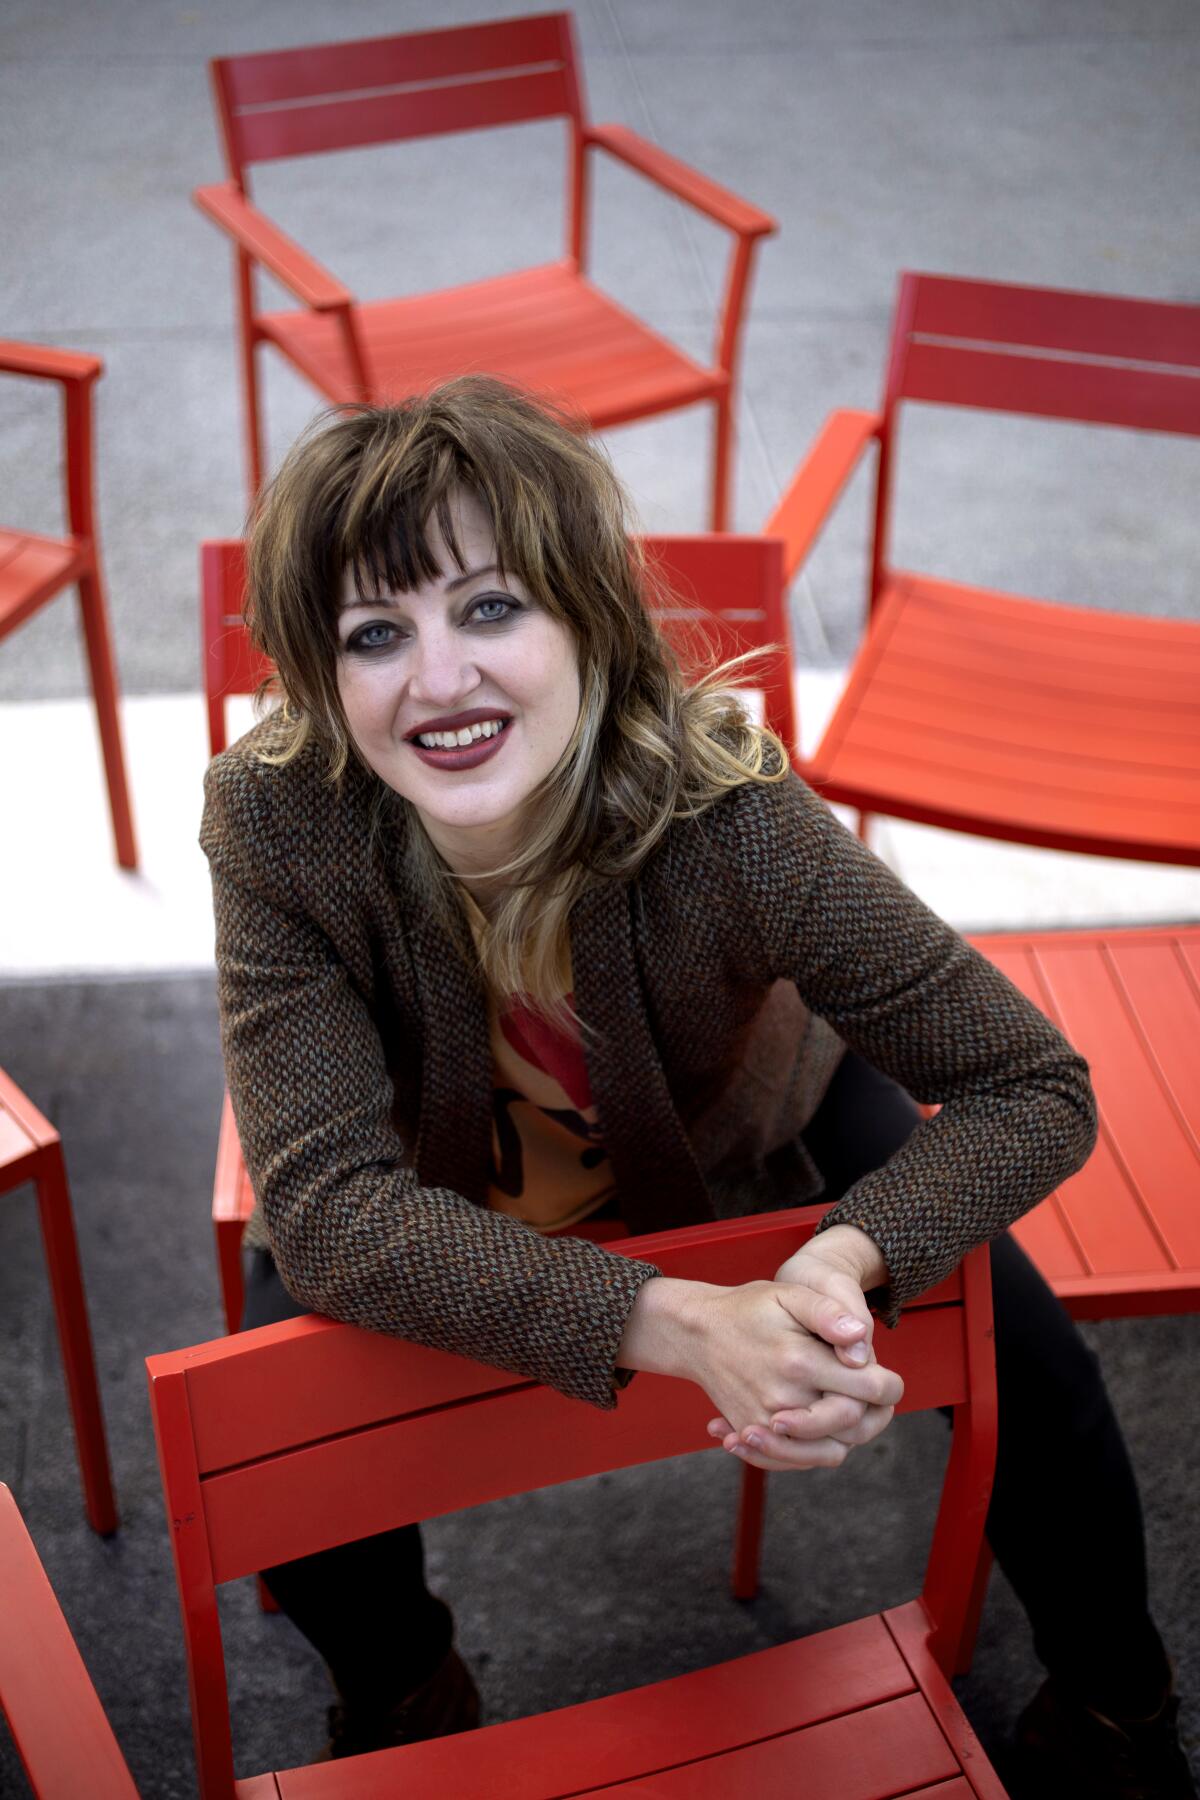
{"x": 66, "y": 909}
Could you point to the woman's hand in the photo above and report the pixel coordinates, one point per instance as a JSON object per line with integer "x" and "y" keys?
{"x": 836, "y": 1265}
{"x": 761, "y": 1351}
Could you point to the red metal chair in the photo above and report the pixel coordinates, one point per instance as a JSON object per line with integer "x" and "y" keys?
{"x": 299, "y": 1436}
{"x": 34, "y": 569}
{"x": 31, "y": 1151}
{"x": 548, "y": 329}
{"x": 63, "y": 1738}
{"x": 1008, "y": 717}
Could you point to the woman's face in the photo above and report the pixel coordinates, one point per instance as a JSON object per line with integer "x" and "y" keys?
{"x": 461, "y": 695}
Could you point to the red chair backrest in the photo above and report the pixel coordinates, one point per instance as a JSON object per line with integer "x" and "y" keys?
{"x": 302, "y": 102}
{"x": 293, "y": 1438}
{"x": 1095, "y": 359}
{"x": 231, "y": 664}
{"x": 726, "y": 596}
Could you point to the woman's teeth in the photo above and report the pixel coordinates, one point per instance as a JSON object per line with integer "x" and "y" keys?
{"x": 458, "y": 740}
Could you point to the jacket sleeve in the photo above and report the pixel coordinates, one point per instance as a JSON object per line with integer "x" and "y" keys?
{"x": 353, "y": 1232}
{"x": 904, "y": 990}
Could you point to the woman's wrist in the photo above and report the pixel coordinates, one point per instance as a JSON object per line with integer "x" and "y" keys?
{"x": 666, "y": 1326}
{"x": 848, "y": 1249}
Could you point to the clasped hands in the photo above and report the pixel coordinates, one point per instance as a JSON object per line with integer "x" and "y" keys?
{"x": 789, "y": 1364}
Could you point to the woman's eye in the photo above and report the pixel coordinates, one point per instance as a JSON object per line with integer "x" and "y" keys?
{"x": 376, "y": 636}
{"x": 491, "y": 608}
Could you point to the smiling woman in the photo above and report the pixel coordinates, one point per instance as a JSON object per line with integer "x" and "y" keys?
{"x": 524, "y": 943}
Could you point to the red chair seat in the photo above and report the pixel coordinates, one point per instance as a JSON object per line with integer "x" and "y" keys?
{"x": 1123, "y": 1235}
{"x": 546, "y": 329}
{"x": 1022, "y": 719}
{"x": 838, "y": 1716}
{"x": 32, "y": 569}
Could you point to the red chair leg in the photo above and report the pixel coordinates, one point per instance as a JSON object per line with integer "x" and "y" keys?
{"x": 722, "y": 464}
{"x": 75, "y": 1338}
{"x": 747, "y": 1541}
{"x": 104, "y": 690}
{"x": 979, "y": 1588}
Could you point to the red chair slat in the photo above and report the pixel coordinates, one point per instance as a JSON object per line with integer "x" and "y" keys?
{"x": 392, "y": 118}
{"x": 1163, "y": 1001}
{"x": 1088, "y": 392}
{"x": 996, "y": 312}
{"x": 271, "y": 77}
{"x": 851, "y": 1758}
{"x": 616, "y": 1739}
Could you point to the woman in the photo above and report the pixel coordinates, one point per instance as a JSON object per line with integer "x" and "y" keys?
{"x": 522, "y": 943}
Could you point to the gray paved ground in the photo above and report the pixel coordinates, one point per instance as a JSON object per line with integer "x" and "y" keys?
{"x": 1045, "y": 140}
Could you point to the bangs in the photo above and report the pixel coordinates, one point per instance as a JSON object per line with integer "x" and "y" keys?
{"x": 381, "y": 537}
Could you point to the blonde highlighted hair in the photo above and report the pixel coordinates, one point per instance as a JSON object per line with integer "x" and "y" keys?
{"x": 357, "y": 494}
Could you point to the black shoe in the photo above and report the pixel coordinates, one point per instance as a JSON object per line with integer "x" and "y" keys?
{"x": 1066, "y": 1748}
{"x": 446, "y": 1703}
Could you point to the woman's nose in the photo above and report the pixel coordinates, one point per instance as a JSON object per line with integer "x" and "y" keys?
{"x": 442, "y": 669}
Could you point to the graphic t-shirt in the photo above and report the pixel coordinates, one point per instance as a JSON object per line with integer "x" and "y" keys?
{"x": 549, "y": 1166}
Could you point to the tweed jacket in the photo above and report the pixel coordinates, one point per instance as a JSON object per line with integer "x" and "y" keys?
{"x": 716, "y": 992}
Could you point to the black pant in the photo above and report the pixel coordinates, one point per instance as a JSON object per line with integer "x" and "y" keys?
{"x": 1065, "y": 1522}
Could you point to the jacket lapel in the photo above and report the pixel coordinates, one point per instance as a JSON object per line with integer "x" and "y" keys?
{"x": 454, "y": 1133}
{"x": 659, "y": 1183}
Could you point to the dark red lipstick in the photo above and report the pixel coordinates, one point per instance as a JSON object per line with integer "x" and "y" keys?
{"x": 463, "y": 756}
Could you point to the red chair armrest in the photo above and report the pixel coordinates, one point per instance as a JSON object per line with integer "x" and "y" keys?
{"x": 45, "y": 364}
{"x": 677, "y": 178}
{"x": 58, "y": 1725}
{"x": 810, "y": 495}
{"x": 299, "y": 272}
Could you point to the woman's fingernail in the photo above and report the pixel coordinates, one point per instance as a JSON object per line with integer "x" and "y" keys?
{"x": 848, "y": 1322}
{"x": 856, "y": 1353}
{"x": 753, "y": 1440}
{"x": 779, "y": 1430}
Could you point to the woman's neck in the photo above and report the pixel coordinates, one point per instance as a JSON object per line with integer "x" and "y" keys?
{"x": 472, "y": 855}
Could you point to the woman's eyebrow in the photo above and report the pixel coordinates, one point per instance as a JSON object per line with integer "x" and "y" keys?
{"x": 472, "y": 575}
{"x": 452, "y": 587}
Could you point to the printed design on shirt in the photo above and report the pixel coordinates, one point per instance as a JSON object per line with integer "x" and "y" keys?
{"x": 547, "y": 1058}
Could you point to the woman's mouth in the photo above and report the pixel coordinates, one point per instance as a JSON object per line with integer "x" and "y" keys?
{"x": 446, "y": 749}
